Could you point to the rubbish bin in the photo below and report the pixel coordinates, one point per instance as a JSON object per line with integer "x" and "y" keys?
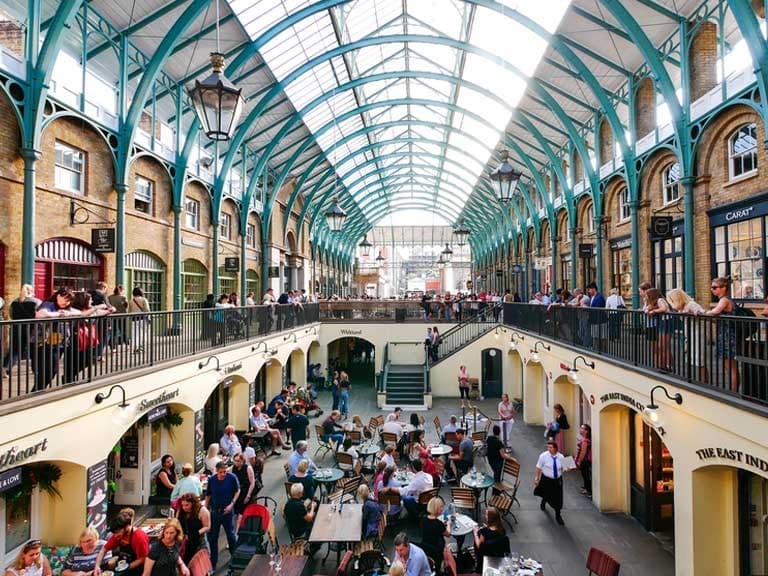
{"x": 400, "y": 314}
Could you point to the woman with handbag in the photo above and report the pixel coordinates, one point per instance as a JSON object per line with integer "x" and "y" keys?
{"x": 140, "y": 324}
{"x": 557, "y": 426}
{"x": 83, "y": 345}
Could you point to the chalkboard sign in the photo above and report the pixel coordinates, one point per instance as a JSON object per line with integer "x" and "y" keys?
{"x": 274, "y": 272}
{"x": 586, "y": 250}
{"x": 103, "y": 240}
{"x": 199, "y": 441}
{"x": 231, "y": 264}
{"x": 129, "y": 452}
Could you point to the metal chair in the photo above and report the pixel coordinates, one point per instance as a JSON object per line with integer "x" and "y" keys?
{"x": 372, "y": 560}
{"x": 600, "y": 563}
{"x": 322, "y": 443}
{"x": 503, "y": 504}
{"x": 296, "y": 548}
{"x": 425, "y": 497}
{"x": 345, "y": 462}
{"x": 390, "y": 499}
{"x": 288, "y": 489}
{"x": 464, "y": 498}
{"x": 287, "y": 470}
{"x": 438, "y": 427}
{"x": 356, "y": 436}
{"x": 478, "y": 442}
{"x": 510, "y": 480}
{"x": 349, "y": 488}
{"x": 389, "y": 438}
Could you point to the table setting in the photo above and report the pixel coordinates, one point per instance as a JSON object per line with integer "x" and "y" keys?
{"x": 511, "y": 565}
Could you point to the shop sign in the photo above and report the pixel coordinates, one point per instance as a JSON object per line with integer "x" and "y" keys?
{"x": 517, "y": 268}
{"x": 622, "y": 398}
{"x": 129, "y": 452}
{"x": 733, "y": 455}
{"x": 738, "y": 212}
{"x": 227, "y": 382}
{"x": 621, "y": 243}
{"x": 199, "y": 440}
{"x": 586, "y": 250}
{"x": 103, "y": 240}
{"x": 163, "y": 398}
{"x": 661, "y": 227}
{"x": 96, "y": 497}
{"x": 273, "y": 272}
{"x": 499, "y": 273}
{"x": 9, "y": 479}
{"x": 157, "y": 413}
{"x": 233, "y": 368}
{"x": 232, "y": 264}
{"x": 17, "y": 455}
{"x": 346, "y": 332}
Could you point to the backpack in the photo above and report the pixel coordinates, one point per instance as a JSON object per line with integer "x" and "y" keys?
{"x": 745, "y": 330}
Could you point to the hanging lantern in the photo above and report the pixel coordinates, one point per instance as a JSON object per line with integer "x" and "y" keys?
{"x": 218, "y": 103}
{"x": 462, "y": 233}
{"x": 335, "y": 216}
{"x": 446, "y": 254}
{"x": 440, "y": 262}
{"x": 506, "y": 178}
{"x": 380, "y": 258}
{"x": 365, "y": 247}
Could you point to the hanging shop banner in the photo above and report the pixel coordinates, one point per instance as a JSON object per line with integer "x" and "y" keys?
{"x": 103, "y": 240}
{"x": 157, "y": 413}
{"x": 274, "y": 272}
{"x": 586, "y": 250}
{"x": 232, "y": 264}
{"x": 661, "y": 227}
{"x": 199, "y": 441}
{"x": 96, "y": 496}
{"x": 621, "y": 243}
{"x": 9, "y": 479}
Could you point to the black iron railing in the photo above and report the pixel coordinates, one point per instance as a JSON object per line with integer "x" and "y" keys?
{"x": 727, "y": 353}
{"x": 462, "y": 334}
{"x": 42, "y": 354}
{"x": 397, "y": 311}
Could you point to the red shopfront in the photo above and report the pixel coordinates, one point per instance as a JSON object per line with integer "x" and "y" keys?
{"x": 66, "y": 262}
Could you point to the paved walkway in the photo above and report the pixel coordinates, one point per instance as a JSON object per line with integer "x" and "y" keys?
{"x": 562, "y": 550}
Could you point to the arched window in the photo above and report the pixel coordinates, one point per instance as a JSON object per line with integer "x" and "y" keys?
{"x": 742, "y": 151}
{"x": 194, "y": 279}
{"x": 252, "y": 282}
{"x": 671, "y": 180}
{"x": 591, "y": 219}
{"x": 624, "y": 212}
{"x": 146, "y": 271}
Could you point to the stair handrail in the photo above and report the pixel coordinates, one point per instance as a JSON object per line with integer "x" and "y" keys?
{"x": 476, "y": 327}
{"x": 385, "y": 369}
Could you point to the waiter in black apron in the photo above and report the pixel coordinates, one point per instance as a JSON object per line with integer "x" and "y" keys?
{"x": 129, "y": 546}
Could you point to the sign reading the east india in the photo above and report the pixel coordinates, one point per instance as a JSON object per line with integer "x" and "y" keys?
{"x": 734, "y": 456}
{"x": 622, "y": 398}
{"x": 164, "y": 397}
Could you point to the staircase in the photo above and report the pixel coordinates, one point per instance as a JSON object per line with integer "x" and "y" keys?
{"x": 466, "y": 332}
{"x": 405, "y": 385}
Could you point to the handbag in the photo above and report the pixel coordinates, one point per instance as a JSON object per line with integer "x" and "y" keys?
{"x": 87, "y": 336}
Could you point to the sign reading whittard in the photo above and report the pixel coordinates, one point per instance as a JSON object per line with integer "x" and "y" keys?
{"x": 733, "y": 455}
{"x": 164, "y": 397}
{"x": 351, "y": 332}
{"x": 233, "y": 368}
{"x": 622, "y": 398}
{"x": 17, "y": 455}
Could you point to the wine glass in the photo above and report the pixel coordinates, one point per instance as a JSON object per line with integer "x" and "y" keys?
{"x": 278, "y": 562}
{"x": 272, "y": 553}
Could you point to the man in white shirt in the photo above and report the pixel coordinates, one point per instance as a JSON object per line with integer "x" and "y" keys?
{"x": 507, "y": 415}
{"x": 450, "y": 427}
{"x": 392, "y": 426}
{"x": 229, "y": 443}
{"x": 299, "y": 454}
{"x": 410, "y": 494}
{"x": 549, "y": 479}
{"x": 258, "y": 422}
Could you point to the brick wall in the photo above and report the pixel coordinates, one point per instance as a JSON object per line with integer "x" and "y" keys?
{"x": 11, "y": 35}
{"x": 606, "y": 142}
{"x": 703, "y": 60}
{"x": 645, "y": 108}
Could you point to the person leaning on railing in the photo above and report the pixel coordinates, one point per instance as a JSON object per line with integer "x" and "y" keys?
{"x": 726, "y": 330}
{"x": 50, "y": 337}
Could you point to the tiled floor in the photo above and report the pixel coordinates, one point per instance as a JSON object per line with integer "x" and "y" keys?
{"x": 562, "y": 550}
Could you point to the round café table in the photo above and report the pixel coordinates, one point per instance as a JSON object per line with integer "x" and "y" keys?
{"x": 460, "y": 526}
{"x": 404, "y": 477}
{"x": 479, "y": 483}
{"x": 440, "y": 450}
{"x": 366, "y": 450}
{"x": 326, "y": 478}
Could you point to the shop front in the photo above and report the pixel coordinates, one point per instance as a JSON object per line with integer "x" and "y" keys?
{"x": 588, "y": 268}
{"x": 565, "y": 272}
{"x": 753, "y": 523}
{"x": 621, "y": 266}
{"x": 66, "y": 262}
{"x": 667, "y": 247}
{"x": 738, "y": 242}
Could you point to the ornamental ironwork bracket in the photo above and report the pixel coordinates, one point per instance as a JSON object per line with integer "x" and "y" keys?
{"x": 80, "y": 214}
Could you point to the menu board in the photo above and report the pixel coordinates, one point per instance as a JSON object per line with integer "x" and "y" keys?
{"x": 96, "y": 497}
{"x": 129, "y": 452}
{"x": 199, "y": 441}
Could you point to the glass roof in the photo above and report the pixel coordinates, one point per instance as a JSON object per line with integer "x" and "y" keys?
{"x": 428, "y": 146}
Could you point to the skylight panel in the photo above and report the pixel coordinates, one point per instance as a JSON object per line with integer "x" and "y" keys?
{"x": 443, "y": 16}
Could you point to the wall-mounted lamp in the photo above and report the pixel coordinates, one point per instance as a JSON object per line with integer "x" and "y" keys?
{"x": 270, "y": 352}
{"x": 288, "y": 337}
{"x": 313, "y": 330}
{"x": 122, "y": 413}
{"x": 651, "y": 412}
{"x": 202, "y": 365}
{"x": 258, "y": 344}
{"x": 573, "y": 373}
{"x": 514, "y": 339}
{"x": 535, "y": 356}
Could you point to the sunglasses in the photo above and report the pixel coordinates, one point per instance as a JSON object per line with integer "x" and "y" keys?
{"x": 32, "y": 544}
{"x": 715, "y": 287}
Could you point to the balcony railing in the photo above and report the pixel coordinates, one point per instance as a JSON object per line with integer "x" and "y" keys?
{"x": 725, "y": 353}
{"x": 396, "y": 311}
{"x": 40, "y": 355}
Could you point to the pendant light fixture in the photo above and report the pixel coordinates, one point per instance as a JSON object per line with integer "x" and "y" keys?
{"x": 335, "y": 215}
{"x": 365, "y": 247}
{"x": 506, "y": 178}
{"x": 446, "y": 253}
{"x": 462, "y": 233}
{"x": 218, "y": 103}
{"x": 380, "y": 258}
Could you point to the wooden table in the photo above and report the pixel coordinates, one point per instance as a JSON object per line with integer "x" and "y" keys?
{"x": 291, "y": 566}
{"x": 494, "y": 563}
{"x": 343, "y": 528}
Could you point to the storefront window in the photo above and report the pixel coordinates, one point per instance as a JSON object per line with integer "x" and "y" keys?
{"x": 18, "y": 530}
{"x": 227, "y": 282}
{"x": 195, "y": 281}
{"x": 621, "y": 257}
{"x": 75, "y": 276}
{"x": 740, "y": 252}
{"x": 742, "y": 151}
{"x": 146, "y": 272}
{"x": 565, "y": 272}
{"x": 252, "y": 281}
{"x": 753, "y": 530}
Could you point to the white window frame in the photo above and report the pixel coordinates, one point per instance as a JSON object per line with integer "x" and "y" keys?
{"x": 734, "y": 156}
{"x": 250, "y": 235}
{"x": 624, "y": 211}
{"x": 194, "y": 214}
{"x": 591, "y": 219}
{"x": 35, "y": 529}
{"x": 225, "y": 226}
{"x": 76, "y": 166}
{"x": 670, "y": 188}
{"x": 144, "y": 191}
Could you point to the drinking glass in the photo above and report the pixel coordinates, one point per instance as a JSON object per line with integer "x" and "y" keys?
{"x": 278, "y": 562}
{"x": 272, "y": 552}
